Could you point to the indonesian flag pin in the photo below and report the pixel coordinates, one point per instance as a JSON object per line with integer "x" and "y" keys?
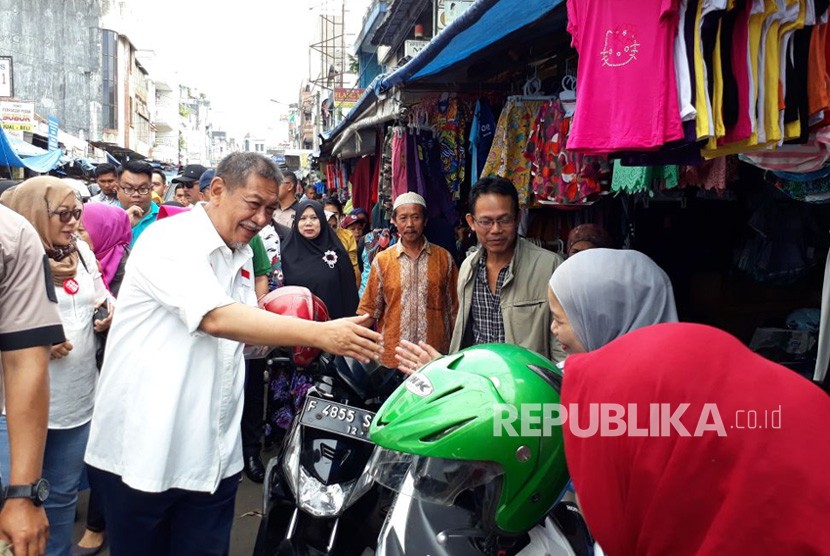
{"x": 70, "y": 286}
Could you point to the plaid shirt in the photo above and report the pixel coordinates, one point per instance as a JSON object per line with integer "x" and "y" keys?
{"x": 488, "y": 326}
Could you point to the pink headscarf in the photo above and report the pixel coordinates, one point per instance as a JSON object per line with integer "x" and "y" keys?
{"x": 110, "y": 231}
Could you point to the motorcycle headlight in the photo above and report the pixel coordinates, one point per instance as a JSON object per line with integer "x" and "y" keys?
{"x": 314, "y": 497}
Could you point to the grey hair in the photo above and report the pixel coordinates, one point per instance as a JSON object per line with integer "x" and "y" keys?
{"x": 235, "y": 168}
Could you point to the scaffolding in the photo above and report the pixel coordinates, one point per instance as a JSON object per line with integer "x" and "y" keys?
{"x": 332, "y": 48}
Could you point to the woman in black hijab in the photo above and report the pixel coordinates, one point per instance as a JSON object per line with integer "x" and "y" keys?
{"x": 313, "y": 257}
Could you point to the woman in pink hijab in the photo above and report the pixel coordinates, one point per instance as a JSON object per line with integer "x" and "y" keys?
{"x": 109, "y": 235}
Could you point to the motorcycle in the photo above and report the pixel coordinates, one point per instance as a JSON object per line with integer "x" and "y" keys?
{"x": 317, "y": 496}
{"x": 416, "y": 527}
{"x": 464, "y": 489}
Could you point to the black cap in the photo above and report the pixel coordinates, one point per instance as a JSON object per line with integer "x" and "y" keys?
{"x": 191, "y": 173}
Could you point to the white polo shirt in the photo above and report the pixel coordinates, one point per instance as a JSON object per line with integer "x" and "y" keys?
{"x": 169, "y": 399}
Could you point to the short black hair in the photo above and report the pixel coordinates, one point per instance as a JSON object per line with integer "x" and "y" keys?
{"x": 136, "y": 167}
{"x": 162, "y": 174}
{"x": 335, "y": 203}
{"x": 310, "y": 186}
{"x": 290, "y": 176}
{"x": 496, "y": 185}
{"x": 105, "y": 168}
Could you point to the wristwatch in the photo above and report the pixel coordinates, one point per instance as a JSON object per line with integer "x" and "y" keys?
{"x": 37, "y": 492}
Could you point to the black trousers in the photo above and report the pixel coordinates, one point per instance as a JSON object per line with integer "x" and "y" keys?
{"x": 253, "y": 407}
{"x": 174, "y": 522}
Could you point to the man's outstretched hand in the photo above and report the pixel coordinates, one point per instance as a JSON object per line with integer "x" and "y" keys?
{"x": 412, "y": 357}
{"x": 351, "y": 338}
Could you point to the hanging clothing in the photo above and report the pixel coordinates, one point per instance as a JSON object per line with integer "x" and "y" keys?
{"x": 507, "y": 154}
{"x": 482, "y": 133}
{"x": 449, "y": 116}
{"x": 433, "y": 187}
{"x": 606, "y": 293}
{"x": 559, "y": 174}
{"x": 704, "y": 493}
{"x": 640, "y": 179}
{"x": 628, "y": 95}
{"x": 712, "y": 174}
{"x": 320, "y": 264}
{"x": 361, "y": 182}
{"x": 400, "y": 183}
{"x": 385, "y": 181}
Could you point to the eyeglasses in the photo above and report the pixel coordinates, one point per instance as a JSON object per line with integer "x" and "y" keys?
{"x": 66, "y": 216}
{"x": 309, "y": 218}
{"x": 140, "y": 190}
{"x": 487, "y": 223}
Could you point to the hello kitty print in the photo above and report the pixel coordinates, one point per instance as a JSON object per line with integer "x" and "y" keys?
{"x": 621, "y": 46}
{"x": 627, "y": 96}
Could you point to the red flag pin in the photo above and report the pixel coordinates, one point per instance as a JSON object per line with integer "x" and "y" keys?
{"x": 70, "y": 286}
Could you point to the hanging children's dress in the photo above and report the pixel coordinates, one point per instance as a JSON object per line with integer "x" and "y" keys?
{"x": 559, "y": 174}
{"x": 507, "y": 155}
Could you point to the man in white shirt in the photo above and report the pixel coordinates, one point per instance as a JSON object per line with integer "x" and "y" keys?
{"x": 165, "y": 445}
{"x": 106, "y": 179}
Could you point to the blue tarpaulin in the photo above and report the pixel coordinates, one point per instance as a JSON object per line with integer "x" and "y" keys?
{"x": 484, "y": 24}
{"x": 41, "y": 164}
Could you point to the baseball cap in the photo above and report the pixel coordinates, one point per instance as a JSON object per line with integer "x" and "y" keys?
{"x": 191, "y": 173}
{"x": 206, "y": 178}
{"x": 352, "y": 218}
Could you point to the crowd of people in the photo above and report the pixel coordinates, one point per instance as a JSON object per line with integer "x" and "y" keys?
{"x": 161, "y": 429}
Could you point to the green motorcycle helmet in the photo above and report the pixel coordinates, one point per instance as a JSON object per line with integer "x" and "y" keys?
{"x": 472, "y": 420}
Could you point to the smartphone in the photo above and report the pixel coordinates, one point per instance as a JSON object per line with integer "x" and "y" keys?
{"x": 100, "y": 313}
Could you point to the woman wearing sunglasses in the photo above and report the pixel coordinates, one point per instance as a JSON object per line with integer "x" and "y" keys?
{"x": 55, "y": 212}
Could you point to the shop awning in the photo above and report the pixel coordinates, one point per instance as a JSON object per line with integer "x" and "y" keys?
{"x": 41, "y": 163}
{"x": 484, "y": 25}
{"x": 121, "y": 154}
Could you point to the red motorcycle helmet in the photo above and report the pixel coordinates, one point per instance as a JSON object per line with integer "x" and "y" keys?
{"x": 298, "y": 302}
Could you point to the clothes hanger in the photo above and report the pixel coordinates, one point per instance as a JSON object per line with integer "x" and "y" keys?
{"x": 531, "y": 90}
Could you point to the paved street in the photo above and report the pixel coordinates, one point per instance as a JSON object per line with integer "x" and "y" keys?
{"x": 243, "y": 534}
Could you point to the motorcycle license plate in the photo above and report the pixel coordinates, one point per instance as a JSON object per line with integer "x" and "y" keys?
{"x": 337, "y": 418}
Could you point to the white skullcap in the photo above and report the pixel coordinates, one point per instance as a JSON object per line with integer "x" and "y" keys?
{"x": 409, "y": 199}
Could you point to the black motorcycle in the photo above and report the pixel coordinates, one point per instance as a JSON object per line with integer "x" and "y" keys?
{"x": 317, "y": 496}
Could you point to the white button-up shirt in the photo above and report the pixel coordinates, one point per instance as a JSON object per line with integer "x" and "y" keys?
{"x": 169, "y": 399}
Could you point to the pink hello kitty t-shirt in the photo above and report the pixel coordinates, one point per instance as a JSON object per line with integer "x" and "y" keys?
{"x": 627, "y": 89}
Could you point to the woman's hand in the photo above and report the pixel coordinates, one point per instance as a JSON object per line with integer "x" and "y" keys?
{"x": 60, "y": 351}
{"x": 412, "y": 357}
{"x": 104, "y": 324}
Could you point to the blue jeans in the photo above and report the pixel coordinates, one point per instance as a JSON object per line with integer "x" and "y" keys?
{"x": 63, "y": 463}
{"x": 171, "y": 523}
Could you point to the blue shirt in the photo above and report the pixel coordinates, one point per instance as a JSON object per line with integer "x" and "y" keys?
{"x": 148, "y": 219}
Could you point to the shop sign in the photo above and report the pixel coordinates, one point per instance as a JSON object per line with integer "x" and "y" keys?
{"x": 346, "y": 98}
{"x": 17, "y": 117}
{"x": 413, "y": 47}
{"x": 6, "y": 77}
{"x": 447, "y": 11}
{"x": 53, "y": 133}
